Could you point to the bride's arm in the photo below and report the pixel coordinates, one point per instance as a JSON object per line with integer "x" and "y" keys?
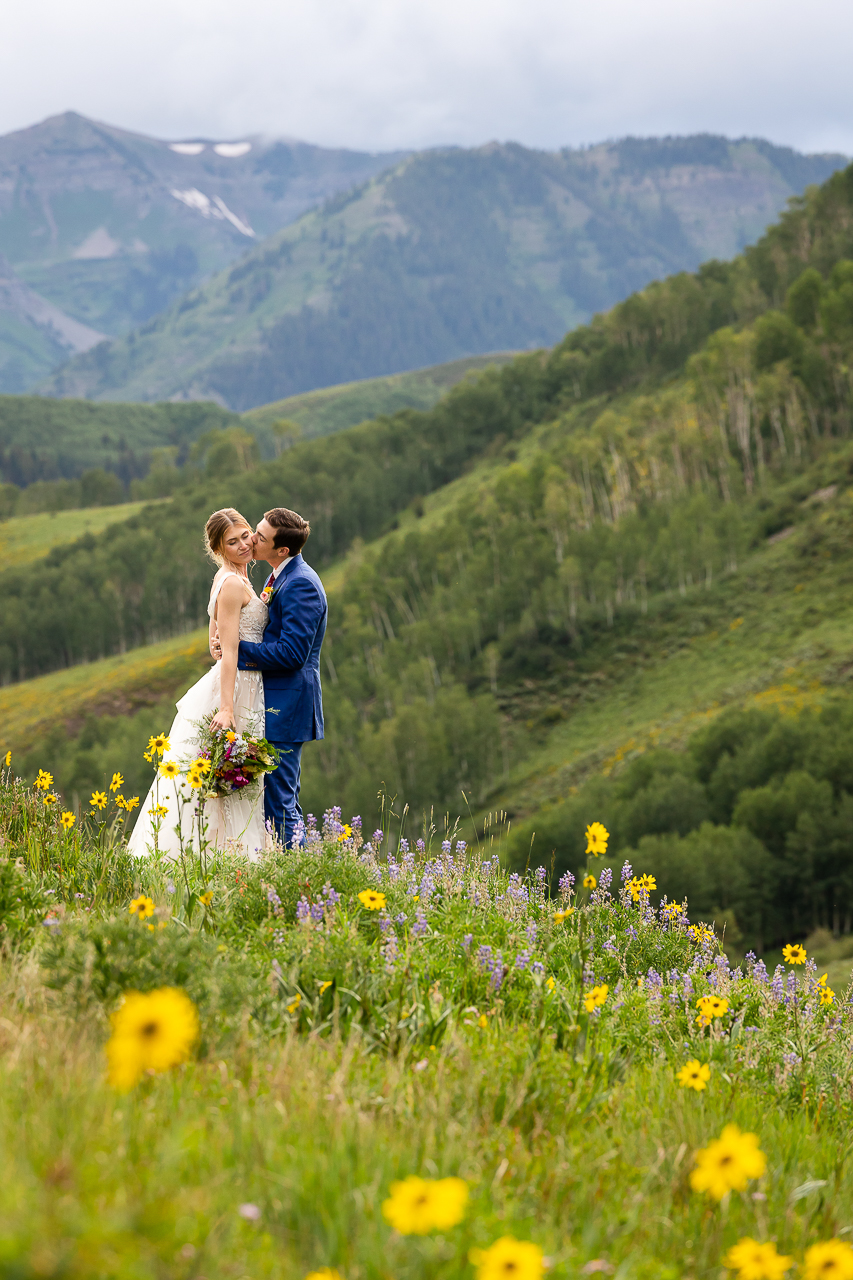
{"x": 228, "y": 608}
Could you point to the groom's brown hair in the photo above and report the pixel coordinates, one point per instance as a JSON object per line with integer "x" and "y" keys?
{"x": 291, "y": 530}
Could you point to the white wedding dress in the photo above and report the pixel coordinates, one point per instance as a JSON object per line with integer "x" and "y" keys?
{"x": 235, "y": 822}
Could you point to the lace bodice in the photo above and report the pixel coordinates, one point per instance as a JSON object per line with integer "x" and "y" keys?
{"x": 253, "y": 615}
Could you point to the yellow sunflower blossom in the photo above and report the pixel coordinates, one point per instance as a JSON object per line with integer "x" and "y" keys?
{"x": 595, "y": 998}
{"x": 346, "y": 834}
{"x": 159, "y": 743}
{"x": 7, "y": 759}
{"x": 49, "y": 799}
{"x": 160, "y": 810}
{"x": 794, "y": 954}
{"x": 827, "y": 995}
{"x": 728, "y": 1163}
{"x": 701, "y": 933}
{"x": 694, "y": 1075}
{"x": 295, "y": 1003}
{"x": 201, "y": 765}
{"x": 169, "y": 769}
{"x": 118, "y": 781}
{"x": 419, "y": 1205}
{"x": 325, "y": 1273}
{"x": 710, "y": 1007}
{"x": 99, "y": 800}
{"x": 641, "y": 885}
{"x": 371, "y": 899}
{"x": 195, "y": 779}
{"x": 206, "y": 898}
{"x": 829, "y": 1260}
{"x": 151, "y": 1032}
{"x": 589, "y": 881}
{"x": 551, "y": 983}
{"x": 131, "y": 804}
{"x": 43, "y": 781}
{"x": 324, "y": 986}
{"x": 561, "y": 916}
{"x": 596, "y": 839}
{"x": 508, "y": 1259}
{"x": 143, "y": 907}
{"x": 482, "y": 1022}
{"x": 754, "y": 1261}
{"x": 67, "y": 819}
{"x": 119, "y": 801}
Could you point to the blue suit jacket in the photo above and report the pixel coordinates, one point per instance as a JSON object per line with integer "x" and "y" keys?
{"x": 289, "y": 655}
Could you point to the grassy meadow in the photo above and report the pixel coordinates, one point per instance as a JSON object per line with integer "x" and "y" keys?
{"x": 27, "y": 539}
{"x": 374, "y": 1009}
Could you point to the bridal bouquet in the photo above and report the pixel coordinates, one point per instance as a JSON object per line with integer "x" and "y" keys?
{"x": 234, "y": 760}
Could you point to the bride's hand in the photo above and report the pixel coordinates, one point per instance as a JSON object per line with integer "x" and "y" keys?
{"x": 222, "y": 720}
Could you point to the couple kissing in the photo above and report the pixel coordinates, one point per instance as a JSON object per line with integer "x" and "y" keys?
{"x": 266, "y": 680}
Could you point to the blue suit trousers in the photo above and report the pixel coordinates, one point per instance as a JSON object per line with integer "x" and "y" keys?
{"x": 281, "y": 792}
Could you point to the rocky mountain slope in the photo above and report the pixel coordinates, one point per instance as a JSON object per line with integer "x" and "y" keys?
{"x": 109, "y": 226}
{"x": 448, "y": 253}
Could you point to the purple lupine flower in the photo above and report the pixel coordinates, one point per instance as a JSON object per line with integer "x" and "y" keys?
{"x": 467, "y": 940}
{"x": 298, "y": 834}
{"x": 627, "y": 872}
{"x": 749, "y": 961}
{"x": 497, "y": 974}
{"x": 377, "y": 837}
{"x": 610, "y": 947}
{"x": 567, "y": 881}
{"x": 355, "y": 822}
{"x": 390, "y": 951}
{"x": 332, "y": 898}
{"x": 303, "y": 909}
{"x": 722, "y": 963}
{"x": 420, "y": 845}
{"x": 687, "y": 986}
{"x": 760, "y": 972}
{"x": 537, "y": 967}
{"x": 484, "y": 956}
{"x": 654, "y": 984}
{"x": 777, "y": 986}
{"x": 522, "y": 960}
{"x": 792, "y": 988}
{"x": 318, "y": 910}
{"x": 401, "y": 918}
{"x": 273, "y": 897}
{"x": 539, "y": 875}
{"x": 461, "y": 846}
{"x": 384, "y": 922}
{"x": 632, "y": 933}
{"x": 446, "y": 846}
{"x": 420, "y": 927}
{"x": 532, "y": 930}
{"x": 604, "y": 880}
{"x": 404, "y": 846}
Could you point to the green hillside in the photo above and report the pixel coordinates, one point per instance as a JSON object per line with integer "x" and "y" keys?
{"x": 319, "y": 413}
{"x": 612, "y": 582}
{"x": 448, "y": 253}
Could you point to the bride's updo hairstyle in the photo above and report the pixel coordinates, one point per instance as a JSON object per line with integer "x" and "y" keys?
{"x": 215, "y": 530}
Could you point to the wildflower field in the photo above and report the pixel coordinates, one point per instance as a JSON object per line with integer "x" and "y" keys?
{"x": 383, "y": 1056}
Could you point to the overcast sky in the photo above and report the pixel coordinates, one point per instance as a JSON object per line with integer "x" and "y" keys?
{"x": 380, "y": 74}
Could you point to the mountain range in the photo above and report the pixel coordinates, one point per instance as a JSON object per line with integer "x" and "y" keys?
{"x": 109, "y": 226}
{"x": 129, "y": 254}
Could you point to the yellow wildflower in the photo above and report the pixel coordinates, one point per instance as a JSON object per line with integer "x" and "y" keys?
{"x": 596, "y": 997}
{"x": 324, "y": 986}
{"x": 195, "y": 779}
{"x": 7, "y": 760}
{"x": 99, "y": 800}
{"x": 589, "y": 881}
{"x": 728, "y": 1163}
{"x": 371, "y": 899}
{"x": 482, "y": 1022}
{"x": 754, "y": 1261}
{"x": 206, "y": 898}
{"x": 131, "y": 804}
{"x": 43, "y": 781}
{"x": 551, "y": 983}
{"x": 295, "y": 1003}
{"x": 694, "y": 1075}
{"x": 508, "y": 1259}
{"x": 118, "y": 781}
{"x": 596, "y": 839}
{"x": 142, "y": 907}
{"x": 159, "y": 743}
{"x": 230, "y": 736}
{"x": 827, "y": 995}
{"x": 641, "y": 885}
{"x": 68, "y": 819}
{"x": 151, "y": 1032}
{"x": 418, "y": 1205}
{"x": 561, "y": 916}
{"x": 201, "y": 765}
{"x": 346, "y": 834}
{"x": 830, "y": 1260}
{"x": 710, "y": 1007}
{"x": 325, "y": 1273}
{"x": 119, "y": 801}
{"x": 169, "y": 769}
{"x": 160, "y": 810}
{"x": 794, "y": 954}
{"x": 49, "y": 799}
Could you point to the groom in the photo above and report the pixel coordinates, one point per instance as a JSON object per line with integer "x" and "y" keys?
{"x": 289, "y": 658}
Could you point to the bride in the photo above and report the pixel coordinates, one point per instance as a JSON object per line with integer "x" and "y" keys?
{"x": 236, "y": 614}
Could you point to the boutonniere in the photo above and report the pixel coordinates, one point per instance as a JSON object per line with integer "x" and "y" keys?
{"x": 268, "y": 593}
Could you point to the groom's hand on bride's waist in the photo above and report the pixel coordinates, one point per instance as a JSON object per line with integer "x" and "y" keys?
{"x": 215, "y": 649}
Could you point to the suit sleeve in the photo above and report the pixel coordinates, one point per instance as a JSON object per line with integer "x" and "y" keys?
{"x": 302, "y": 611}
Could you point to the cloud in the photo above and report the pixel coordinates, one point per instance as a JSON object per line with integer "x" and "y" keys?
{"x": 379, "y": 74}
